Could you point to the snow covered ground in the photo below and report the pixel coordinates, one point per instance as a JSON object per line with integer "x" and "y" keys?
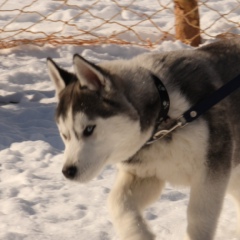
{"x": 36, "y": 202}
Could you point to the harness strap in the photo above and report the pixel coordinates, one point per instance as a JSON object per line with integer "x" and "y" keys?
{"x": 164, "y": 99}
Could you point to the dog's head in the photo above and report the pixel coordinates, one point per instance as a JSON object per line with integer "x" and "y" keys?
{"x": 97, "y": 123}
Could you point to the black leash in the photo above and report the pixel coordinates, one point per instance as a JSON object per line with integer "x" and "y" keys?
{"x": 200, "y": 108}
{"x": 197, "y": 110}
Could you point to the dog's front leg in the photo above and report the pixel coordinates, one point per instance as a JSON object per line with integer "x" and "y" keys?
{"x": 128, "y": 198}
{"x": 206, "y": 199}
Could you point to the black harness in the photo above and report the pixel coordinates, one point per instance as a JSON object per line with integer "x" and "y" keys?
{"x": 191, "y": 114}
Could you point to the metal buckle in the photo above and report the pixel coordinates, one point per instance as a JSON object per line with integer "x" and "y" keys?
{"x": 181, "y": 122}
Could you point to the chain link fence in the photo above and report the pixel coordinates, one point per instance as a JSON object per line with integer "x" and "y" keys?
{"x": 108, "y": 21}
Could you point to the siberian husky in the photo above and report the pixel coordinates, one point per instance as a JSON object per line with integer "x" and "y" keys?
{"x": 106, "y": 114}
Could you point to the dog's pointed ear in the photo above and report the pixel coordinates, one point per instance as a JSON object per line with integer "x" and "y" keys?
{"x": 60, "y": 77}
{"x": 88, "y": 74}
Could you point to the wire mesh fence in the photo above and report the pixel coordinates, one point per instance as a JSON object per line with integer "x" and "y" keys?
{"x": 108, "y": 21}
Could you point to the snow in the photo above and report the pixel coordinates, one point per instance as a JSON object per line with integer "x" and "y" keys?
{"x": 36, "y": 202}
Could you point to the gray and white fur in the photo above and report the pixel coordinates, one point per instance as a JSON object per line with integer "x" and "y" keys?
{"x": 107, "y": 112}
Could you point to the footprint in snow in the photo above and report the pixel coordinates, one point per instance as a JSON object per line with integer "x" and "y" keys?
{"x": 151, "y": 216}
{"x": 104, "y": 236}
{"x": 81, "y": 211}
{"x": 81, "y": 206}
{"x": 173, "y": 196}
{"x": 12, "y": 192}
{"x": 106, "y": 190}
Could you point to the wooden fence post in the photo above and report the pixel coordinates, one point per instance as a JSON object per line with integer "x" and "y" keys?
{"x": 187, "y": 22}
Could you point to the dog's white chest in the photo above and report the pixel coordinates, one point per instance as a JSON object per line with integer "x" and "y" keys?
{"x": 174, "y": 161}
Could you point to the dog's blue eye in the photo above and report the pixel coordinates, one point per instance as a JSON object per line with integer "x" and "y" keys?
{"x": 88, "y": 130}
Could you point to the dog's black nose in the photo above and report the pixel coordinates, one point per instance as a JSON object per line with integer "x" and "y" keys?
{"x": 69, "y": 172}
